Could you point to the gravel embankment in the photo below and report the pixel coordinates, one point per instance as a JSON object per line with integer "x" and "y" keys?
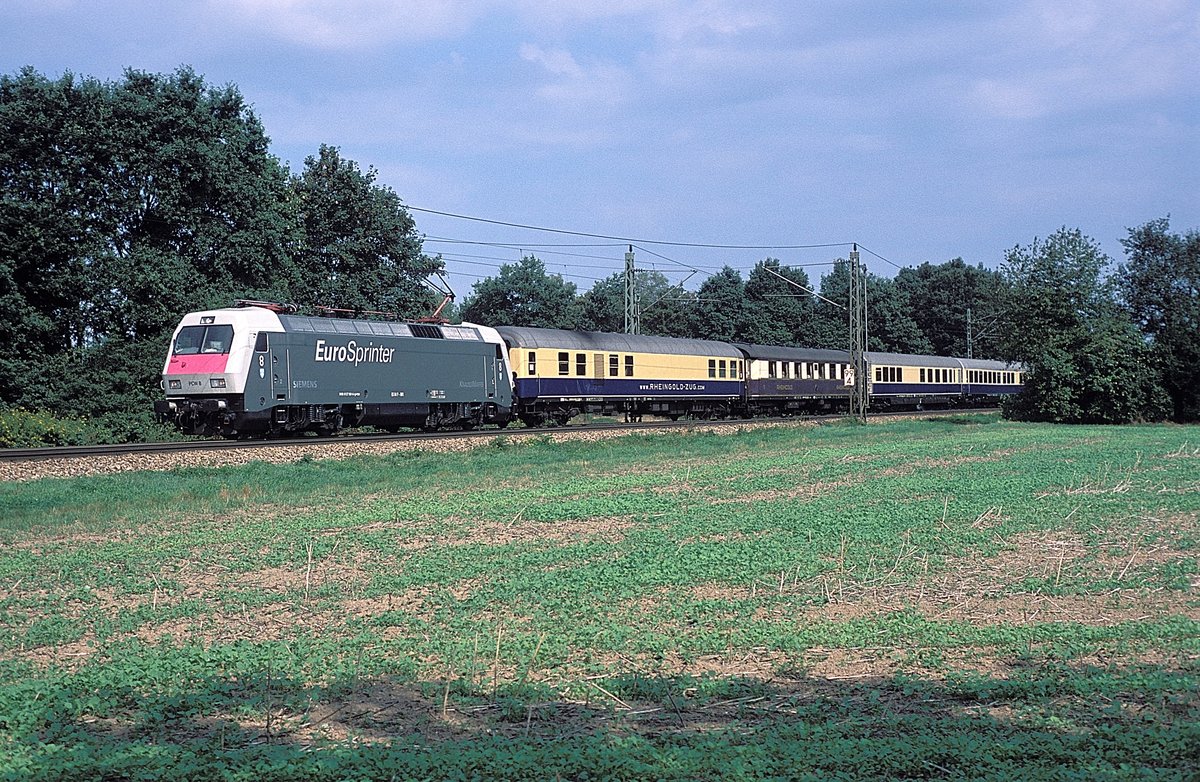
{"x": 283, "y": 454}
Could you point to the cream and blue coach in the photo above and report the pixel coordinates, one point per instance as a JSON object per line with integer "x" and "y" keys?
{"x": 904, "y": 380}
{"x": 789, "y": 380}
{"x": 559, "y": 374}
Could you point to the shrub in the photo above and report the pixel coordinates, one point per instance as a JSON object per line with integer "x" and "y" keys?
{"x": 21, "y": 428}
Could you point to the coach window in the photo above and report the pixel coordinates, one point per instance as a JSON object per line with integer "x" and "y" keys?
{"x": 712, "y": 367}
{"x": 613, "y": 365}
{"x": 734, "y": 368}
{"x": 581, "y": 364}
{"x": 772, "y": 369}
{"x": 532, "y": 363}
{"x": 629, "y": 366}
{"x": 564, "y": 363}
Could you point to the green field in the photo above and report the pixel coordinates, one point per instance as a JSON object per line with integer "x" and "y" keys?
{"x": 945, "y": 599}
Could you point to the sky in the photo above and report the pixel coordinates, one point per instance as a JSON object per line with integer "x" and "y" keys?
{"x": 923, "y": 131}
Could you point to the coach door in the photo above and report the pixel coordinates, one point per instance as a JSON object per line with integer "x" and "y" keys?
{"x": 598, "y": 371}
{"x": 280, "y": 370}
{"x": 263, "y": 380}
{"x": 493, "y": 373}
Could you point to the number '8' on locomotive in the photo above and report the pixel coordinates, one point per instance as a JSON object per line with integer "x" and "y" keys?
{"x": 259, "y": 370}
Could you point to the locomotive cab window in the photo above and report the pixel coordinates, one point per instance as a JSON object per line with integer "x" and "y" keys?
{"x": 260, "y": 342}
{"x": 203, "y": 339}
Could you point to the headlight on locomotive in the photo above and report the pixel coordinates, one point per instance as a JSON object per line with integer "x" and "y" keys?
{"x": 217, "y": 382}
{"x": 175, "y": 385}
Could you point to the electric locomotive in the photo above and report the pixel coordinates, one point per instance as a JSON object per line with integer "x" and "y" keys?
{"x": 258, "y": 369}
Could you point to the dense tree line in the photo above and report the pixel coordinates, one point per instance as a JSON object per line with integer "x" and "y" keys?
{"x": 923, "y": 310}
{"x": 1101, "y": 342}
{"x": 1105, "y": 343}
{"x": 126, "y": 203}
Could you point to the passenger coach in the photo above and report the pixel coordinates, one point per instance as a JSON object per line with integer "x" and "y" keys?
{"x": 787, "y": 380}
{"x": 559, "y": 374}
{"x": 903, "y": 380}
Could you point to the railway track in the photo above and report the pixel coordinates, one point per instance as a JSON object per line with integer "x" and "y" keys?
{"x": 72, "y": 461}
{"x": 85, "y": 451}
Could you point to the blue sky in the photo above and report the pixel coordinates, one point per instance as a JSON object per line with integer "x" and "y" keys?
{"x": 922, "y": 130}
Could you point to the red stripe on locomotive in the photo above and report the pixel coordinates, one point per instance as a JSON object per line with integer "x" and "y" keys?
{"x": 211, "y": 363}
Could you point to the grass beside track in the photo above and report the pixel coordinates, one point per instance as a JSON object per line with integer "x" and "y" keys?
{"x": 954, "y": 598}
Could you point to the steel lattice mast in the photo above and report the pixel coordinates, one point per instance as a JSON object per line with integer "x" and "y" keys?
{"x": 860, "y": 391}
{"x": 633, "y": 314}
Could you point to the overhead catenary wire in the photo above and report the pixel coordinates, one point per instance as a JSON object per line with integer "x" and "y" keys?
{"x": 628, "y": 239}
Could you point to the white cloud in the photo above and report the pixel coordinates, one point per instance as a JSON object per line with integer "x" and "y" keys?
{"x": 1065, "y": 57}
{"x": 338, "y": 24}
{"x": 596, "y": 85}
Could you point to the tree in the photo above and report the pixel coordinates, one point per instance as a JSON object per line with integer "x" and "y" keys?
{"x": 1083, "y": 359}
{"x": 890, "y": 325}
{"x": 720, "y": 309}
{"x": 602, "y": 308}
{"x": 939, "y": 297}
{"x": 523, "y": 294}
{"x": 780, "y": 312}
{"x": 1160, "y": 286}
{"x": 359, "y": 247}
{"x": 122, "y": 205}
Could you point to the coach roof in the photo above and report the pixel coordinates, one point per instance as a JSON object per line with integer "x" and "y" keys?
{"x": 779, "y": 353}
{"x": 562, "y": 339}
